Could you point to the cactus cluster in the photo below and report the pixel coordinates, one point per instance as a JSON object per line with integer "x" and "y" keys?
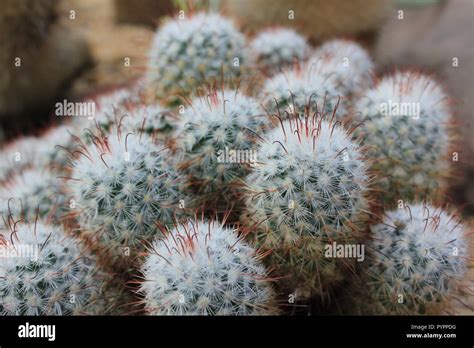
{"x": 419, "y": 253}
{"x": 281, "y": 177}
{"x": 308, "y": 190}
{"x": 273, "y": 49}
{"x": 47, "y": 273}
{"x": 302, "y": 86}
{"x": 216, "y": 141}
{"x": 122, "y": 186}
{"x": 204, "y": 268}
{"x": 405, "y": 121}
{"x": 188, "y": 51}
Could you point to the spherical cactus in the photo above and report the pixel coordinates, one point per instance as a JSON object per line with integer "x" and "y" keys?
{"x": 419, "y": 253}
{"x": 216, "y": 139}
{"x": 188, "y": 51}
{"x": 405, "y": 121}
{"x": 46, "y": 272}
{"x": 347, "y": 64}
{"x": 204, "y": 268}
{"x": 122, "y": 186}
{"x": 33, "y": 193}
{"x": 273, "y": 49}
{"x": 302, "y": 86}
{"x": 308, "y": 191}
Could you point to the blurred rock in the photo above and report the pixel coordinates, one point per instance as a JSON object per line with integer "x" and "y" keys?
{"x": 38, "y": 56}
{"x": 119, "y": 51}
{"x": 317, "y": 19}
{"x": 142, "y": 11}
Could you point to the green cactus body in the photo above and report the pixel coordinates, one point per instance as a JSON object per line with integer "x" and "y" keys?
{"x": 187, "y": 52}
{"x": 305, "y": 85}
{"x": 47, "y": 273}
{"x": 273, "y": 49}
{"x": 123, "y": 186}
{"x": 419, "y": 253}
{"x": 33, "y": 193}
{"x": 308, "y": 190}
{"x": 405, "y": 122}
{"x": 347, "y": 65}
{"x": 216, "y": 142}
{"x": 204, "y": 268}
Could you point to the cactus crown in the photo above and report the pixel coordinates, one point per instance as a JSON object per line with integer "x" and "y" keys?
{"x": 46, "y": 273}
{"x": 204, "y": 268}
{"x": 303, "y": 85}
{"x": 188, "y": 51}
{"x": 419, "y": 253}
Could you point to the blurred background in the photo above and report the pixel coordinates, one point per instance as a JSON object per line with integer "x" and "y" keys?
{"x": 73, "y": 49}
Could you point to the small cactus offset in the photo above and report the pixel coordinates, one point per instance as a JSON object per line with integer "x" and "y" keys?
{"x": 419, "y": 253}
{"x": 121, "y": 187}
{"x": 152, "y": 119}
{"x": 109, "y": 109}
{"x": 47, "y": 273}
{"x": 308, "y": 190}
{"x": 347, "y": 64}
{"x": 273, "y": 49}
{"x": 216, "y": 141}
{"x": 120, "y": 98}
{"x": 204, "y": 268}
{"x": 405, "y": 121}
{"x": 188, "y": 51}
{"x": 33, "y": 193}
{"x": 302, "y": 86}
